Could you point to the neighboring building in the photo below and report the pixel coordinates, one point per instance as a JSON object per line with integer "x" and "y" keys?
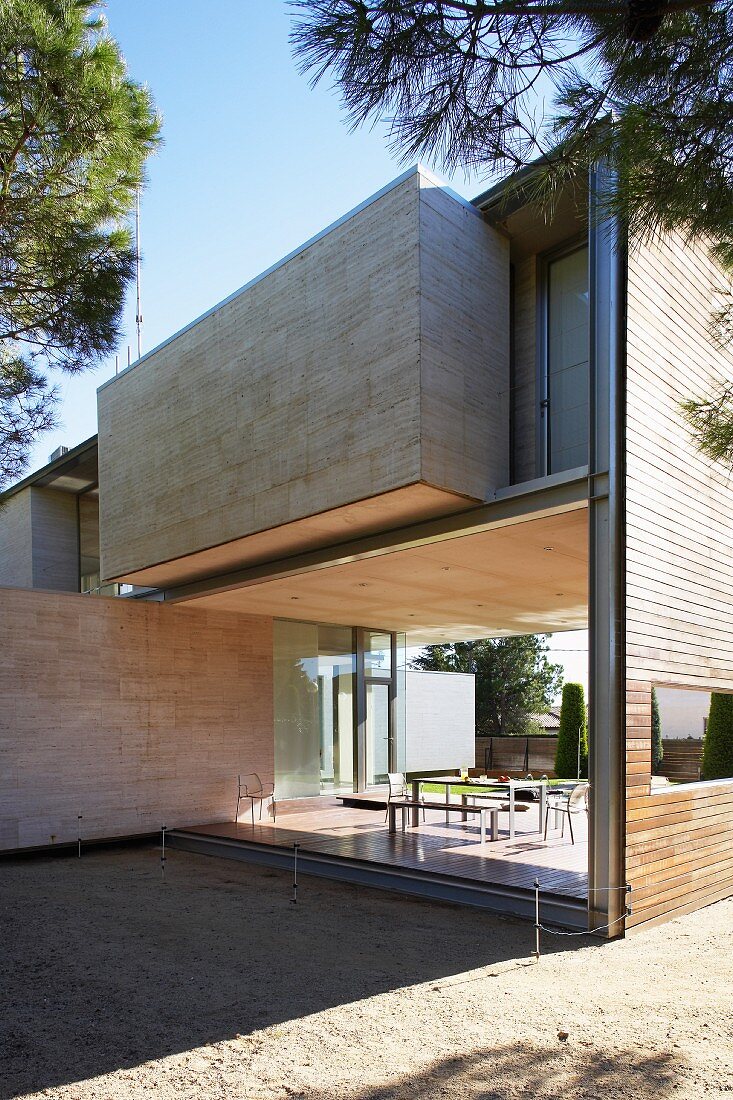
{"x": 548, "y": 721}
{"x": 437, "y": 420}
{"x": 683, "y": 713}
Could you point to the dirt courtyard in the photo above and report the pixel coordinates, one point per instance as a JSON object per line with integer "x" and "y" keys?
{"x": 213, "y": 985}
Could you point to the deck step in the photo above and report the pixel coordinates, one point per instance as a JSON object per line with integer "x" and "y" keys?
{"x": 565, "y": 912}
{"x": 373, "y": 801}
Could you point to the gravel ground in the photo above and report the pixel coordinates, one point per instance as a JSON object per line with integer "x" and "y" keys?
{"x": 213, "y": 985}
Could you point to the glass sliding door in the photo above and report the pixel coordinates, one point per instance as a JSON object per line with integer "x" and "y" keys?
{"x": 378, "y": 740}
{"x": 567, "y": 361}
{"x": 313, "y": 708}
{"x": 336, "y": 698}
{"x": 339, "y": 703}
{"x": 377, "y": 653}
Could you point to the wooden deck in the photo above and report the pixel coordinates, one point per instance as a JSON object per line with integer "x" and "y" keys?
{"x": 440, "y": 852}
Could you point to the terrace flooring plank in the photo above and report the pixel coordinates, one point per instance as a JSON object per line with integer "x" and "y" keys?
{"x": 452, "y": 849}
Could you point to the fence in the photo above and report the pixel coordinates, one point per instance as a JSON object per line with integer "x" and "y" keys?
{"x": 516, "y": 754}
{"x": 682, "y": 760}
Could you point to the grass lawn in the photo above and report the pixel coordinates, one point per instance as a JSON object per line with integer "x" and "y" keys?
{"x": 439, "y": 788}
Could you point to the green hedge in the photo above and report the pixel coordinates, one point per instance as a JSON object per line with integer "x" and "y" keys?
{"x": 717, "y": 752}
{"x": 657, "y": 747}
{"x": 572, "y": 725}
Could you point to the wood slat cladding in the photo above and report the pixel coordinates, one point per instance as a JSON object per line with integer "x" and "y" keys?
{"x": 132, "y": 714}
{"x": 373, "y": 359}
{"x": 679, "y": 602}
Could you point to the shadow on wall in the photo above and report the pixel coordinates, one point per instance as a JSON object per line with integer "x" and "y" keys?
{"x": 106, "y": 967}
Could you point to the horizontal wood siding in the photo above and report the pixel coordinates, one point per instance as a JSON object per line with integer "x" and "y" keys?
{"x": 132, "y": 714}
{"x": 679, "y": 574}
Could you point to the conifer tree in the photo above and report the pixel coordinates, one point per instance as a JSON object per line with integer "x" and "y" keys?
{"x": 513, "y": 678}
{"x": 657, "y": 746}
{"x": 717, "y": 754}
{"x": 573, "y": 731}
{"x": 74, "y": 135}
{"x": 495, "y": 85}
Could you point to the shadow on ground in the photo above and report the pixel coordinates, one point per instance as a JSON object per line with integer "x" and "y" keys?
{"x": 527, "y": 1070}
{"x": 106, "y": 966}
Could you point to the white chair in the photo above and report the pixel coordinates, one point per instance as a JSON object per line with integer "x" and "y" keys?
{"x": 398, "y": 788}
{"x": 251, "y": 787}
{"x": 575, "y": 802}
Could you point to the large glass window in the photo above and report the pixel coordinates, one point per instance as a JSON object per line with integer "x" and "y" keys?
{"x": 377, "y": 653}
{"x": 567, "y": 364}
{"x": 314, "y": 708}
{"x": 324, "y": 740}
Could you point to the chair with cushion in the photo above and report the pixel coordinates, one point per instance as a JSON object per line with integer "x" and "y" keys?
{"x": 399, "y": 788}
{"x": 251, "y": 787}
{"x": 567, "y": 804}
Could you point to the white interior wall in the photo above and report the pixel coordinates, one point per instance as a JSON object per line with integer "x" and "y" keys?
{"x": 440, "y": 720}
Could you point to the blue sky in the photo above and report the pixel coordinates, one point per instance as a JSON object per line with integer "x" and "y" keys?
{"x": 254, "y": 162}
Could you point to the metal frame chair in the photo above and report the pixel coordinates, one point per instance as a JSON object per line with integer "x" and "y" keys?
{"x": 575, "y": 802}
{"x": 398, "y": 788}
{"x": 251, "y": 786}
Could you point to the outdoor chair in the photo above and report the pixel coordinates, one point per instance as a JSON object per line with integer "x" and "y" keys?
{"x": 574, "y": 802}
{"x": 251, "y": 787}
{"x": 399, "y": 788}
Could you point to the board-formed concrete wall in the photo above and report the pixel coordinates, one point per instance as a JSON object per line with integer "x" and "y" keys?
{"x": 132, "y": 714}
{"x": 374, "y": 359}
{"x": 440, "y": 720}
{"x": 39, "y": 540}
{"x": 16, "y": 541}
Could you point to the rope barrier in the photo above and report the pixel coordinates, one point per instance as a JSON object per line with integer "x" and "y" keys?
{"x": 539, "y": 927}
{"x": 587, "y": 932}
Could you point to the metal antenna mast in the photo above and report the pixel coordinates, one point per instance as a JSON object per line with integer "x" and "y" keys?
{"x": 138, "y": 313}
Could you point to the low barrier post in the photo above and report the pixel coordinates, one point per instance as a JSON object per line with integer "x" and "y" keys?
{"x": 294, "y": 899}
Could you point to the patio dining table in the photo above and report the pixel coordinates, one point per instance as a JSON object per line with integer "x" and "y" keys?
{"x": 492, "y": 785}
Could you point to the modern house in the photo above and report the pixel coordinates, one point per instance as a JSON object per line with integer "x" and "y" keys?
{"x": 437, "y": 420}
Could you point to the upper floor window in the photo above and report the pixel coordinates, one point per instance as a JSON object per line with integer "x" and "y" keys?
{"x": 566, "y": 381}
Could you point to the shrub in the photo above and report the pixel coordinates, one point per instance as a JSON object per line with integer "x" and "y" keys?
{"x": 717, "y": 752}
{"x": 572, "y": 726}
{"x": 657, "y": 747}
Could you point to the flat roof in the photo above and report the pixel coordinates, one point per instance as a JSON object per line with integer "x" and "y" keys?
{"x": 76, "y": 471}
